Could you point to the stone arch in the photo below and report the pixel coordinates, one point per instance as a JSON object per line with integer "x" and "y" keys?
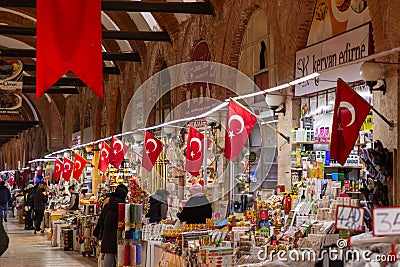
{"x": 76, "y": 122}
{"x": 52, "y": 121}
{"x": 240, "y": 29}
{"x": 305, "y": 20}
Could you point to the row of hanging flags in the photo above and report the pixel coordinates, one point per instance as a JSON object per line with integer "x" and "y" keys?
{"x": 350, "y": 112}
{"x": 113, "y": 155}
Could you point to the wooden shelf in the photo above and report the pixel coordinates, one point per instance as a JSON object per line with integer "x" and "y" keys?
{"x": 309, "y": 143}
{"x": 344, "y": 167}
{"x": 331, "y": 167}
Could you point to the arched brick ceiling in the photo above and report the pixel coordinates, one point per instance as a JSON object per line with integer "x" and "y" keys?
{"x": 122, "y": 20}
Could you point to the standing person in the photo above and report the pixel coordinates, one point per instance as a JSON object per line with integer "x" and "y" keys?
{"x": 28, "y": 207}
{"x": 39, "y": 205}
{"x": 197, "y": 209}
{"x": 158, "y": 206}
{"x": 74, "y": 202}
{"x": 5, "y": 196}
{"x": 109, "y": 235}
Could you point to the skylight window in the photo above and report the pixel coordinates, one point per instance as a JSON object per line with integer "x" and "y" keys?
{"x": 109, "y": 24}
{"x": 151, "y": 21}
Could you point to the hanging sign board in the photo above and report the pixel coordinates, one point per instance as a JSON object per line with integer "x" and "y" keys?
{"x": 386, "y": 221}
{"x": 350, "y": 218}
{"x": 344, "y": 48}
{"x": 10, "y": 90}
{"x": 10, "y": 85}
{"x": 10, "y": 97}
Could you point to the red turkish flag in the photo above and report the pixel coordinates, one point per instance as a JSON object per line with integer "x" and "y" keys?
{"x": 58, "y": 169}
{"x": 69, "y": 37}
{"x": 12, "y": 179}
{"x": 195, "y": 151}
{"x": 118, "y": 150}
{"x": 349, "y": 114}
{"x": 68, "y": 168}
{"x": 239, "y": 124}
{"x": 104, "y": 156}
{"x": 151, "y": 150}
{"x": 79, "y": 166}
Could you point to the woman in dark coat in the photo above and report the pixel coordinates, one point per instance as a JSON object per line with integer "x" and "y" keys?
{"x": 197, "y": 209}
{"x": 158, "y": 206}
{"x": 39, "y": 205}
{"x": 109, "y": 235}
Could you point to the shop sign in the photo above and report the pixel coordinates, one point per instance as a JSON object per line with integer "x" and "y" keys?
{"x": 199, "y": 93}
{"x": 342, "y": 49}
{"x": 386, "y": 221}
{"x": 76, "y": 139}
{"x": 332, "y": 18}
{"x": 10, "y": 97}
{"x": 350, "y": 218}
{"x": 87, "y": 134}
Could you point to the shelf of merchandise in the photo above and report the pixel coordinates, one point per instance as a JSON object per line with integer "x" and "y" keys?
{"x": 296, "y": 167}
{"x": 319, "y": 143}
{"x": 343, "y": 167}
{"x": 309, "y": 143}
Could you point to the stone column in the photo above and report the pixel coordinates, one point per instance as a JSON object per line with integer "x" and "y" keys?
{"x": 95, "y": 173}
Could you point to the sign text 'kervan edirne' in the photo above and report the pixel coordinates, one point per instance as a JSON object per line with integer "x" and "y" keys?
{"x": 347, "y": 47}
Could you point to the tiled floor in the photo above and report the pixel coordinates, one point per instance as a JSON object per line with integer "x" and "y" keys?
{"x": 27, "y": 249}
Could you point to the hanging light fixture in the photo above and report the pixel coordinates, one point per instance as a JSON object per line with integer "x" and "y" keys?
{"x": 276, "y": 101}
{"x": 372, "y": 74}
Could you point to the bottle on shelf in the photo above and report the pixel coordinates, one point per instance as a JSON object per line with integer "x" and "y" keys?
{"x": 327, "y": 135}
{"x": 298, "y": 157}
{"x": 293, "y": 134}
{"x": 316, "y": 135}
{"x": 322, "y": 135}
{"x": 300, "y": 135}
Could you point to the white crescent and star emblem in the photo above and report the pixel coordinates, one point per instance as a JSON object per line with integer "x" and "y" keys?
{"x": 65, "y": 167}
{"x": 58, "y": 167}
{"x": 196, "y": 140}
{"x": 350, "y": 108}
{"x": 240, "y": 120}
{"x": 105, "y": 154}
{"x": 76, "y": 165}
{"x": 117, "y": 142}
{"x": 151, "y": 140}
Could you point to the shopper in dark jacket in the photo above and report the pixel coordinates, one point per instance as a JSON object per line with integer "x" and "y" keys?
{"x": 74, "y": 203}
{"x": 109, "y": 238}
{"x": 158, "y": 206}
{"x": 39, "y": 205}
{"x": 5, "y": 196}
{"x": 28, "y": 200}
{"x": 197, "y": 209}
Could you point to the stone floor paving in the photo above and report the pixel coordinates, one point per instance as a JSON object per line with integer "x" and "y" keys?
{"x": 27, "y": 249}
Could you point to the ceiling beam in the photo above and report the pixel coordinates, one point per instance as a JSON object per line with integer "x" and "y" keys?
{"x": 204, "y": 8}
{"x": 31, "y": 53}
{"x": 31, "y": 80}
{"x": 52, "y": 90}
{"x": 111, "y": 35}
{"x": 18, "y": 123}
{"x": 106, "y": 70}
{"x": 10, "y": 129}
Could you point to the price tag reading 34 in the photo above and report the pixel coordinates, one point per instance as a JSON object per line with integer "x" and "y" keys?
{"x": 386, "y": 221}
{"x": 350, "y": 218}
